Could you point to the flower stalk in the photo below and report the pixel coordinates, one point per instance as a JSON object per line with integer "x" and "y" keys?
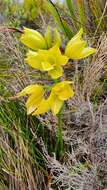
{"x": 60, "y": 144}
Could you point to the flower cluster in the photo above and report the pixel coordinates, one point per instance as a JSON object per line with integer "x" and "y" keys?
{"x": 45, "y": 55}
{"x": 38, "y": 104}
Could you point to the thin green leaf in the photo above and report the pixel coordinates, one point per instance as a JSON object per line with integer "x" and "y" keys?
{"x": 71, "y": 8}
{"x": 80, "y": 5}
{"x": 62, "y": 24}
{"x": 55, "y": 14}
{"x": 69, "y": 32}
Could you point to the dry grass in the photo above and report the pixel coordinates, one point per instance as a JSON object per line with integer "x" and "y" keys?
{"x": 94, "y": 71}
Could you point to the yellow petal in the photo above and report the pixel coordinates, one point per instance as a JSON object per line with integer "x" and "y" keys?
{"x": 33, "y": 39}
{"x": 42, "y": 108}
{"x": 56, "y": 106}
{"x": 63, "y": 60}
{"x": 55, "y": 103}
{"x": 32, "y": 32}
{"x": 48, "y": 37}
{"x": 63, "y": 90}
{"x": 44, "y": 54}
{"x": 66, "y": 94}
{"x": 46, "y": 66}
{"x": 56, "y": 72}
{"x": 76, "y": 38}
{"x": 31, "y": 53}
{"x": 75, "y": 49}
{"x": 34, "y": 60}
{"x": 37, "y": 89}
{"x": 54, "y": 50}
{"x": 33, "y": 102}
{"x": 53, "y": 56}
{"x": 59, "y": 59}
{"x": 86, "y": 52}
{"x": 61, "y": 85}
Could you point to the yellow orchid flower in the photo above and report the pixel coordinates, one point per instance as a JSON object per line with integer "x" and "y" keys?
{"x": 60, "y": 92}
{"x": 33, "y": 39}
{"x": 36, "y": 93}
{"x": 77, "y": 47}
{"x": 48, "y": 60}
{"x": 36, "y": 102}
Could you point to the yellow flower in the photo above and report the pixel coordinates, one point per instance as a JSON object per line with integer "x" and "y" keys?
{"x": 48, "y": 60}
{"x": 33, "y": 39}
{"x": 37, "y": 104}
{"x": 42, "y": 108}
{"x": 36, "y": 97}
{"x": 60, "y": 92}
{"x": 77, "y": 47}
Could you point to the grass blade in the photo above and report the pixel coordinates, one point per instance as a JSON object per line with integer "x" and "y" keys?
{"x": 62, "y": 24}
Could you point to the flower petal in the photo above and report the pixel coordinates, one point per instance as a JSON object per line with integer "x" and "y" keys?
{"x": 56, "y": 72}
{"x": 59, "y": 59}
{"x": 75, "y": 49}
{"x": 34, "y": 60}
{"x": 33, "y": 102}
{"x": 67, "y": 93}
{"x": 76, "y": 38}
{"x": 63, "y": 90}
{"x": 42, "y": 108}
{"x": 37, "y": 89}
{"x": 55, "y": 103}
{"x": 86, "y": 52}
{"x": 63, "y": 60}
{"x": 46, "y": 66}
{"x": 33, "y": 32}
{"x": 33, "y": 39}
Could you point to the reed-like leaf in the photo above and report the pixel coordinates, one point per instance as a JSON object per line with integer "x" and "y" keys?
{"x": 80, "y": 5}
{"x": 70, "y": 5}
{"x": 62, "y": 24}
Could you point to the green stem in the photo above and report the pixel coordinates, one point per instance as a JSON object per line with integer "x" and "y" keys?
{"x": 60, "y": 144}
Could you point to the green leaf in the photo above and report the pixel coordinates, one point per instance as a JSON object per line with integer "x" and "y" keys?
{"x": 80, "y": 5}
{"x": 70, "y": 5}
{"x": 69, "y": 32}
{"x": 71, "y": 8}
{"x": 62, "y": 24}
{"x": 55, "y": 14}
